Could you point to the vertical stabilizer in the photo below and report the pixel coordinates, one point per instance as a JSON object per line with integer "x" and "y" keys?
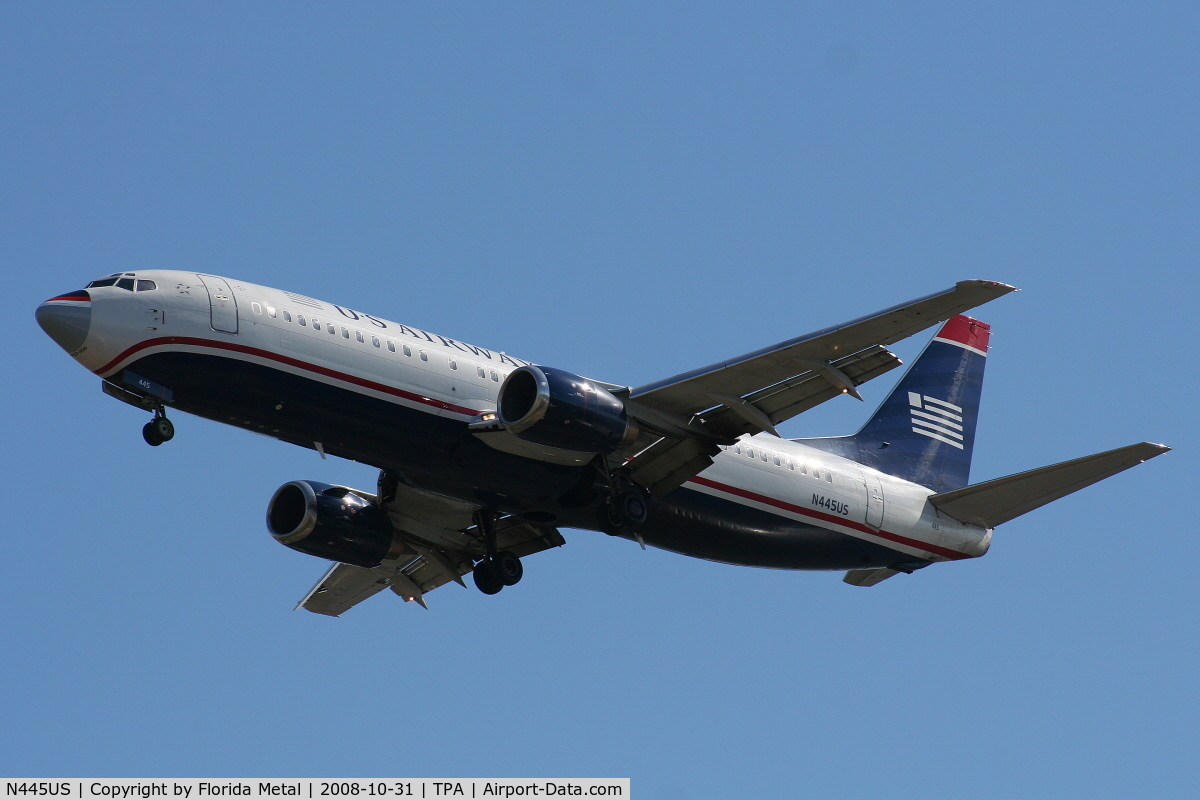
{"x": 924, "y": 431}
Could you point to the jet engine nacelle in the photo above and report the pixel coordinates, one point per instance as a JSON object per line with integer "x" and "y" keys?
{"x": 333, "y": 522}
{"x": 558, "y": 409}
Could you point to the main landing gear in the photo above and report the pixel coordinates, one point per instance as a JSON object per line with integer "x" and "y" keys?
{"x": 159, "y": 429}
{"x": 497, "y": 569}
{"x": 625, "y": 508}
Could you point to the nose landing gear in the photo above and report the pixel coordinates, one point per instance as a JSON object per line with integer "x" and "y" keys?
{"x": 159, "y": 429}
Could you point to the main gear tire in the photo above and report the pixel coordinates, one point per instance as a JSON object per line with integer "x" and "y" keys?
{"x": 486, "y": 579}
{"x": 507, "y": 568}
{"x": 625, "y": 510}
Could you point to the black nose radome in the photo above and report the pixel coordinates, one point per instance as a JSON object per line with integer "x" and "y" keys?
{"x": 66, "y": 319}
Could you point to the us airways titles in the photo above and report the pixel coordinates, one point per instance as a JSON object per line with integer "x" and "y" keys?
{"x": 433, "y": 338}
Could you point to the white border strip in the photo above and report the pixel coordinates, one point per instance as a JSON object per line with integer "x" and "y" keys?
{"x": 975, "y": 350}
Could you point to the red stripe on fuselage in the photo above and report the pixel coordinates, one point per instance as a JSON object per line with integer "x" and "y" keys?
{"x": 291, "y": 362}
{"x": 70, "y": 297}
{"x": 808, "y": 512}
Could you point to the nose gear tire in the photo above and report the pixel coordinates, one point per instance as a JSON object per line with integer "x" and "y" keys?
{"x": 158, "y": 430}
{"x": 151, "y": 435}
{"x": 166, "y": 430}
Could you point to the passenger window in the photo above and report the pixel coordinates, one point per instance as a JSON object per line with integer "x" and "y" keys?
{"x": 829, "y": 476}
{"x": 804, "y": 469}
{"x": 480, "y": 372}
{"x": 375, "y": 341}
{"x": 495, "y": 377}
{"x": 332, "y": 328}
{"x": 453, "y": 364}
{"x": 407, "y": 352}
{"x": 125, "y": 283}
{"x": 776, "y": 459}
{"x": 256, "y": 308}
{"x": 345, "y": 333}
{"x": 737, "y": 449}
{"x": 391, "y": 345}
{"x": 424, "y": 357}
{"x": 750, "y": 452}
{"x": 271, "y": 312}
{"x": 146, "y": 286}
{"x": 316, "y": 324}
{"x": 791, "y": 466}
{"x": 358, "y": 335}
{"x": 300, "y": 319}
{"x": 287, "y": 316}
{"x": 764, "y": 456}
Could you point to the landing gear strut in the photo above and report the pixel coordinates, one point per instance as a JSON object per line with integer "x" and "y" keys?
{"x": 159, "y": 429}
{"x": 497, "y": 569}
{"x": 626, "y": 507}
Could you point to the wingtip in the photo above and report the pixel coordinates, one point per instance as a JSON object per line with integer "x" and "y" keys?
{"x": 1004, "y": 288}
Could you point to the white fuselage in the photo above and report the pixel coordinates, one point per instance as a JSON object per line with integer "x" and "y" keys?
{"x": 441, "y": 377}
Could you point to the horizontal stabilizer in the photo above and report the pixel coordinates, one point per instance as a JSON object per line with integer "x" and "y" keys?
{"x": 868, "y": 577}
{"x": 991, "y": 503}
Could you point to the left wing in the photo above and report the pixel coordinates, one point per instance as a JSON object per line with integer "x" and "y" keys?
{"x": 691, "y": 414}
{"x": 693, "y": 391}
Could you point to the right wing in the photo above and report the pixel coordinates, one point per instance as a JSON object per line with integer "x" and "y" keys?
{"x": 689, "y": 415}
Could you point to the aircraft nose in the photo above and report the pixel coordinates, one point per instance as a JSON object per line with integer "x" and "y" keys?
{"x": 66, "y": 319}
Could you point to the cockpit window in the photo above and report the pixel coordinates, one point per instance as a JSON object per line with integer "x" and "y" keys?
{"x": 125, "y": 283}
{"x": 102, "y": 282}
{"x": 146, "y": 286}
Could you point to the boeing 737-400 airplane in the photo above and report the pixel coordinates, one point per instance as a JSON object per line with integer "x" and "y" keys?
{"x": 482, "y": 457}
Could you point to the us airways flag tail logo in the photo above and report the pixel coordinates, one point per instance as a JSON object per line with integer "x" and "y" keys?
{"x": 936, "y": 419}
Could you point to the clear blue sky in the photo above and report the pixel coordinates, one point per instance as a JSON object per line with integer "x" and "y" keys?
{"x": 625, "y": 191}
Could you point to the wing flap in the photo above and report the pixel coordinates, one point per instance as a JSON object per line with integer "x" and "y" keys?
{"x": 668, "y": 463}
{"x": 785, "y": 400}
{"x": 995, "y": 502}
{"x": 343, "y": 587}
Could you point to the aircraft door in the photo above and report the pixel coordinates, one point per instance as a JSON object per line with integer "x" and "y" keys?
{"x": 874, "y": 499}
{"x": 221, "y": 303}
